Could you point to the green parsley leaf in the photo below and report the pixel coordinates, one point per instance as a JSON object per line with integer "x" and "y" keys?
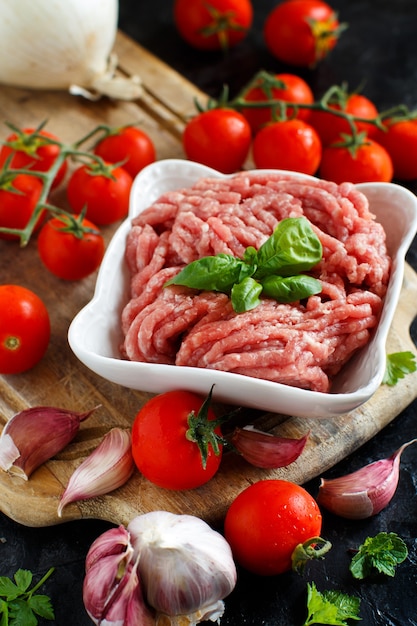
{"x": 331, "y": 607}
{"x": 19, "y": 605}
{"x": 398, "y": 365}
{"x": 381, "y": 553}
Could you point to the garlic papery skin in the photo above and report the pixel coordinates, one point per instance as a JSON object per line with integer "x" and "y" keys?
{"x": 363, "y": 493}
{"x": 33, "y": 436}
{"x": 108, "y": 467}
{"x": 186, "y": 567}
{"x": 62, "y": 44}
{"x": 266, "y": 450}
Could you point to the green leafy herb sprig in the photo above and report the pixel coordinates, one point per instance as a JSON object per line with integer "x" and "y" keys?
{"x": 330, "y": 607}
{"x": 398, "y": 365}
{"x": 275, "y": 270}
{"x": 379, "y": 554}
{"x": 19, "y": 604}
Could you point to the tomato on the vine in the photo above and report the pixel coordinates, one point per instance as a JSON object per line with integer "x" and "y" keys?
{"x": 267, "y": 521}
{"x": 31, "y": 149}
{"x": 301, "y": 32}
{"x": 368, "y": 161}
{"x": 70, "y": 247}
{"x": 288, "y": 145}
{"x": 19, "y": 195}
{"x": 103, "y": 191}
{"x": 219, "y": 138}
{"x": 215, "y": 24}
{"x": 171, "y": 435}
{"x": 400, "y": 141}
{"x": 24, "y": 329}
{"x": 329, "y": 126}
{"x": 128, "y": 146}
{"x": 289, "y": 88}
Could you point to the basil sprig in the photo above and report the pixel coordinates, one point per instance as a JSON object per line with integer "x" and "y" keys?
{"x": 275, "y": 270}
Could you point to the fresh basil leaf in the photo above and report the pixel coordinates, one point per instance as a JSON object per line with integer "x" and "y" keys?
{"x": 292, "y": 248}
{"x": 212, "y": 273}
{"x": 245, "y": 295}
{"x": 287, "y": 289}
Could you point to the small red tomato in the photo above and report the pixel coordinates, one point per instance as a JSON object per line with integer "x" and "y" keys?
{"x": 267, "y": 521}
{"x": 213, "y": 25}
{"x": 24, "y": 329}
{"x": 163, "y": 444}
{"x": 400, "y": 141}
{"x": 128, "y": 146}
{"x": 329, "y": 126}
{"x": 33, "y": 150}
{"x": 291, "y": 88}
{"x": 289, "y": 145}
{"x": 70, "y": 248}
{"x": 19, "y": 195}
{"x": 218, "y": 138}
{"x": 104, "y": 192}
{"x": 301, "y": 32}
{"x": 369, "y": 162}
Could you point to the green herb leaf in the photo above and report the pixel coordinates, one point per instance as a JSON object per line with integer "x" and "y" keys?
{"x": 245, "y": 295}
{"x": 381, "y": 553}
{"x": 330, "y": 607}
{"x": 292, "y": 248}
{"x": 212, "y": 273}
{"x": 290, "y": 288}
{"x": 41, "y": 605}
{"x": 18, "y": 604}
{"x": 398, "y": 365}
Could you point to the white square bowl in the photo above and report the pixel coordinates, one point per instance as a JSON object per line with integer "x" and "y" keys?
{"x": 95, "y": 333}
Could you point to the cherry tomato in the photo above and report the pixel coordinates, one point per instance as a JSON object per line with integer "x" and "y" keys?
{"x": 301, "y": 32}
{"x": 32, "y": 150}
{"x": 329, "y": 126}
{"x": 104, "y": 192}
{"x": 400, "y": 141}
{"x": 289, "y": 145}
{"x": 160, "y": 447}
{"x": 293, "y": 89}
{"x": 219, "y": 138}
{"x": 128, "y": 146}
{"x": 19, "y": 195}
{"x": 24, "y": 329}
{"x": 213, "y": 25}
{"x": 70, "y": 248}
{"x": 267, "y": 521}
{"x": 370, "y": 162}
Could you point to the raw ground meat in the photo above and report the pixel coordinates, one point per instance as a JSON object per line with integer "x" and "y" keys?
{"x": 303, "y": 344}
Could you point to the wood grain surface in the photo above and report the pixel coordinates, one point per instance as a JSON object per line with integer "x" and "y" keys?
{"x": 60, "y": 380}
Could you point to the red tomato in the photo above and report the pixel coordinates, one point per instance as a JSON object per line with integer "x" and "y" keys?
{"x": 219, "y": 138}
{"x": 329, "y": 126}
{"x": 33, "y": 151}
{"x": 289, "y": 145}
{"x": 160, "y": 447}
{"x": 369, "y": 163}
{"x": 400, "y": 141}
{"x": 294, "y": 89}
{"x": 24, "y": 329}
{"x": 129, "y": 146}
{"x": 301, "y": 32}
{"x": 214, "y": 24}
{"x": 267, "y": 521}
{"x": 18, "y": 199}
{"x": 104, "y": 192}
{"x": 70, "y": 248}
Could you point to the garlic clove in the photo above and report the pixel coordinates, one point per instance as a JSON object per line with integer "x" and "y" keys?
{"x": 113, "y": 541}
{"x": 100, "y": 581}
{"x": 266, "y": 450}
{"x": 108, "y": 467}
{"x": 35, "y": 435}
{"x": 186, "y": 567}
{"x": 363, "y": 493}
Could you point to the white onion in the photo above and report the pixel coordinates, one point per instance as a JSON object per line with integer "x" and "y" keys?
{"x": 62, "y": 44}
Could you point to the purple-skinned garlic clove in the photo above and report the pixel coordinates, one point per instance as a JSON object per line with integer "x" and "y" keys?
{"x": 363, "y": 493}
{"x": 265, "y": 450}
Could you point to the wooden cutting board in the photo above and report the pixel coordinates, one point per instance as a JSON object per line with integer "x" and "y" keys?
{"x": 60, "y": 380}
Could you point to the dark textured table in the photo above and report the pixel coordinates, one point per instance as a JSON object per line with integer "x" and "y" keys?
{"x": 378, "y": 52}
